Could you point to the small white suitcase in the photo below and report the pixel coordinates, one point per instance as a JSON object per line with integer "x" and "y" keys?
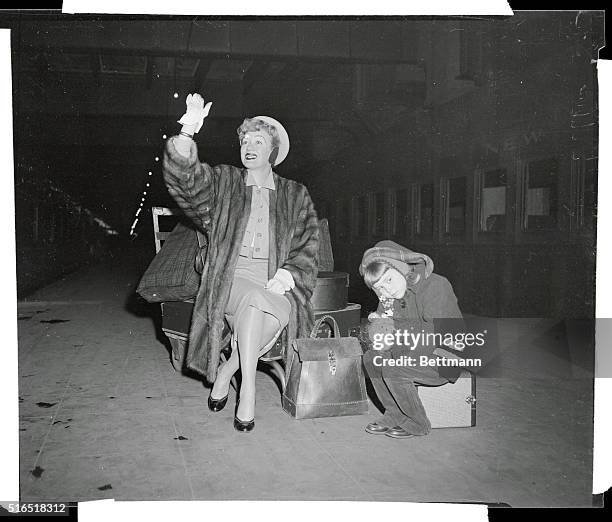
{"x": 451, "y": 405}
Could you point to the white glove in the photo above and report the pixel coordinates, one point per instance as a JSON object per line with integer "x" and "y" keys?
{"x": 281, "y": 282}
{"x": 286, "y": 279}
{"x": 196, "y": 111}
{"x": 275, "y": 286}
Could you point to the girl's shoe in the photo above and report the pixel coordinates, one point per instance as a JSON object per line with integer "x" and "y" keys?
{"x": 398, "y": 432}
{"x": 376, "y": 429}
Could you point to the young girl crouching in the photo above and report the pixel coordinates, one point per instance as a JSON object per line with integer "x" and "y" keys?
{"x": 411, "y": 297}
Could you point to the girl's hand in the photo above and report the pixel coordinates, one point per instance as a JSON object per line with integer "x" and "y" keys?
{"x": 374, "y": 315}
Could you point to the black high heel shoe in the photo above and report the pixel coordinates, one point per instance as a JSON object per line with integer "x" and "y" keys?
{"x": 243, "y": 426}
{"x": 217, "y": 404}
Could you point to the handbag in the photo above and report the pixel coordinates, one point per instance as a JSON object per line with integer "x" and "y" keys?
{"x": 325, "y": 376}
{"x": 175, "y": 272}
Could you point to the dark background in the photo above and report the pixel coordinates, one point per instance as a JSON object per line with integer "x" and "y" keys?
{"x": 398, "y": 127}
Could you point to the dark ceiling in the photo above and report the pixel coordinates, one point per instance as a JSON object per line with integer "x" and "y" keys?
{"x": 93, "y": 96}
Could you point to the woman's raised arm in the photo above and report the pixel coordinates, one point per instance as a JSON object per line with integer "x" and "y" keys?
{"x": 190, "y": 182}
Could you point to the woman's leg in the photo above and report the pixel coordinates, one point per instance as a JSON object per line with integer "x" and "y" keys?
{"x": 254, "y": 331}
{"x": 224, "y": 376}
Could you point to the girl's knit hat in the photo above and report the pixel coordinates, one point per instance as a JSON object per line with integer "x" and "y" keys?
{"x": 396, "y": 255}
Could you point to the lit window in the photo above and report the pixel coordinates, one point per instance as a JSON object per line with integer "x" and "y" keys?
{"x": 541, "y": 195}
{"x": 493, "y": 201}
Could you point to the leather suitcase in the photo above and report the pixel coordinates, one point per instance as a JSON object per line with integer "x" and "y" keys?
{"x": 176, "y": 316}
{"x": 348, "y": 319}
{"x": 325, "y": 376}
{"x": 452, "y": 405}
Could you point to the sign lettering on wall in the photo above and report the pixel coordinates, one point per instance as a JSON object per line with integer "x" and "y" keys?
{"x": 511, "y": 143}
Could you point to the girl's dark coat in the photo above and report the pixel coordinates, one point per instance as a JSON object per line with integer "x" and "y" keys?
{"x": 218, "y": 201}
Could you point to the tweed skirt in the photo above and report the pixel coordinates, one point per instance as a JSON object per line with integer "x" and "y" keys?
{"x": 250, "y": 277}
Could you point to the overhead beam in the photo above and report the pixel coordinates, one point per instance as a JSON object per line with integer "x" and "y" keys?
{"x": 380, "y": 41}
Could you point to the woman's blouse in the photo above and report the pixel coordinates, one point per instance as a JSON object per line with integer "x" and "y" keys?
{"x": 256, "y": 239}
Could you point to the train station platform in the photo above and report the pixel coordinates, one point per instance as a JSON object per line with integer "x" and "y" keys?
{"x": 103, "y": 414}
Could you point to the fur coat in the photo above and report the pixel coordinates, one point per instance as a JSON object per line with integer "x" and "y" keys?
{"x": 218, "y": 201}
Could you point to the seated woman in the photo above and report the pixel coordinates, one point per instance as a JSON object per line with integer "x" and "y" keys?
{"x": 260, "y": 269}
{"x": 411, "y": 297}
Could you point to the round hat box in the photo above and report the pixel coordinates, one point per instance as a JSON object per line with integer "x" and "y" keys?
{"x": 331, "y": 292}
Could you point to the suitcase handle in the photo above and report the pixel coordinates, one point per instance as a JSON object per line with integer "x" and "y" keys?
{"x": 317, "y": 325}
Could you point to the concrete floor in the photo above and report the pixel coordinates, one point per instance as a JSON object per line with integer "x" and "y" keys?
{"x": 104, "y": 415}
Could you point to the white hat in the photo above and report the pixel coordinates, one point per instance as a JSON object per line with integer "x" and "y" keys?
{"x": 283, "y": 147}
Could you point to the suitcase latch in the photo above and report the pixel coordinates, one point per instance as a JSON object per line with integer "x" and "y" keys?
{"x": 470, "y": 399}
{"x": 331, "y": 358}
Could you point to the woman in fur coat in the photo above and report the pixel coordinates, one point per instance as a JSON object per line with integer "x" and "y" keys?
{"x": 261, "y": 265}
